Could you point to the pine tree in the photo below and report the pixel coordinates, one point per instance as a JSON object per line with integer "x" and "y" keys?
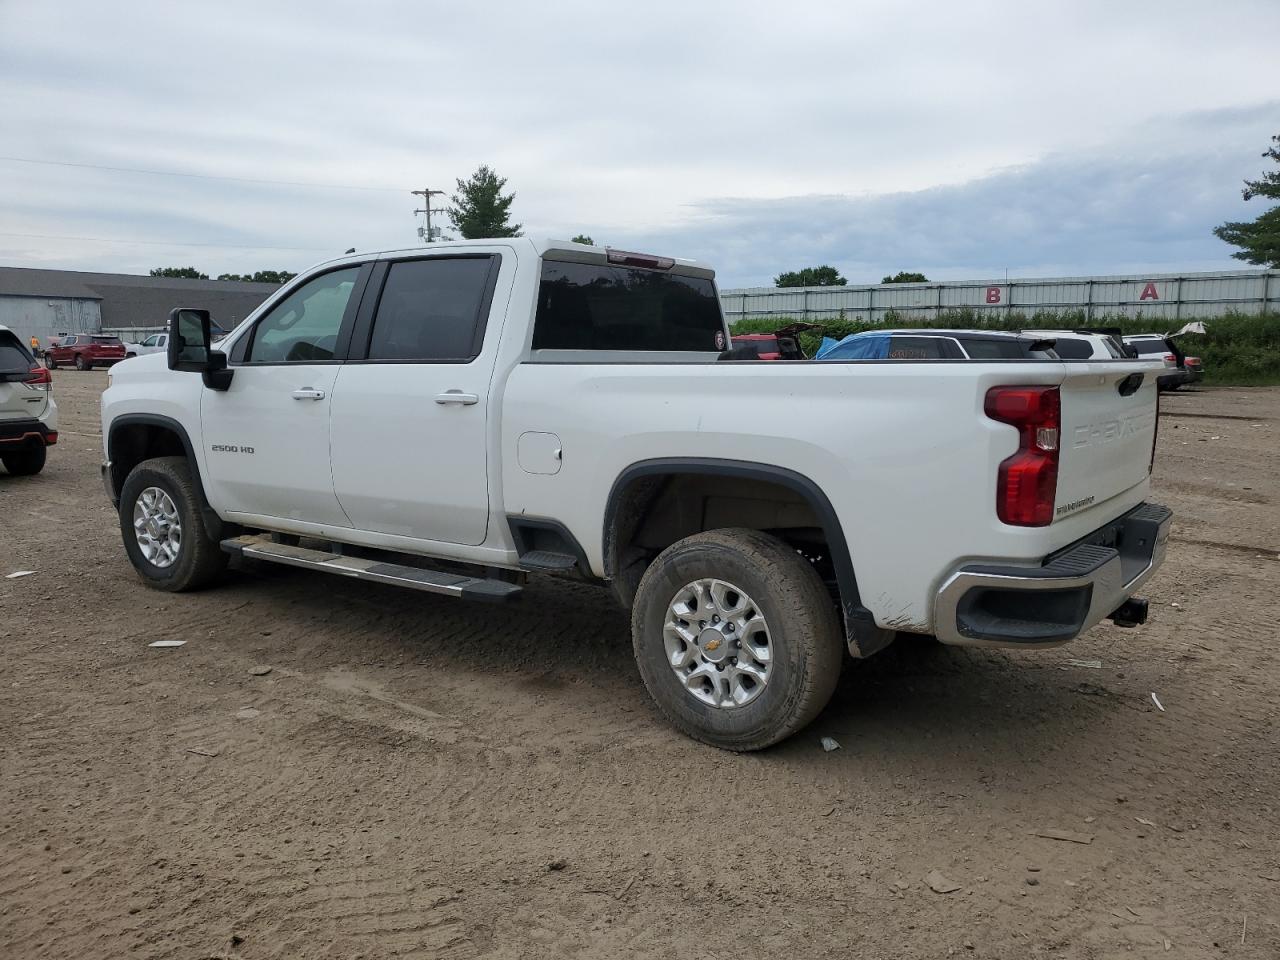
{"x": 1258, "y": 239}
{"x": 480, "y": 210}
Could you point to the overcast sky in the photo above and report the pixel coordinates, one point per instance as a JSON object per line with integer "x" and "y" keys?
{"x": 961, "y": 139}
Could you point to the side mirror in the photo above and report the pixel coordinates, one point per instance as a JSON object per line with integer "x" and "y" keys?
{"x": 189, "y": 347}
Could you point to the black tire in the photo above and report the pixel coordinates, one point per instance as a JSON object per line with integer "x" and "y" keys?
{"x": 805, "y": 637}
{"x": 200, "y": 559}
{"x": 25, "y": 462}
{"x": 82, "y": 364}
{"x": 49, "y": 362}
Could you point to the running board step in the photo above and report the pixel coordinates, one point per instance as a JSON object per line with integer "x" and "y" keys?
{"x": 398, "y": 575}
{"x": 548, "y": 561}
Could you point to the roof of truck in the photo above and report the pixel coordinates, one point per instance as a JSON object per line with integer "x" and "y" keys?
{"x": 541, "y": 247}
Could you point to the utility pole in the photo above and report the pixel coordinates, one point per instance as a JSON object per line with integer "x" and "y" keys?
{"x": 426, "y": 194}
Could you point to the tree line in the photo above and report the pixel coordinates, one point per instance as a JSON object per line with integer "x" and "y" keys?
{"x": 191, "y": 273}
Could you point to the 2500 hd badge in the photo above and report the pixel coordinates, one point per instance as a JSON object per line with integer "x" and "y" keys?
{"x": 229, "y": 448}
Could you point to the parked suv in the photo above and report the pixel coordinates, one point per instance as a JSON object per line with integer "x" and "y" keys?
{"x": 1181, "y": 369}
{"x": 1082, "y": 344}
{"x": 28, "y": 415}
{"x": 85, "y": 351}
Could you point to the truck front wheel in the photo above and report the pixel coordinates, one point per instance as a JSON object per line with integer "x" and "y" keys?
{"x": 163, "y": 532}
{"x": 736, "y": 638}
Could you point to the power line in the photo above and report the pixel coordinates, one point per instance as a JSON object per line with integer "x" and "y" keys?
{"x": 199, "y": 176}
{"x": 426, "y": 193}
{"x": 161, "y": 243}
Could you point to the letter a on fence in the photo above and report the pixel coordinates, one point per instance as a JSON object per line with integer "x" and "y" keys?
{"x": 1149, "y": 292}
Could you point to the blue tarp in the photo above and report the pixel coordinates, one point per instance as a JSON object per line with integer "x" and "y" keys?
{"x": 856, "y": 346}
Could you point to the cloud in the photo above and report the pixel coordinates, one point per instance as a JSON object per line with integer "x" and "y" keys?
{"x": 1144, "y": 204}
{"x": 629, "y": 123}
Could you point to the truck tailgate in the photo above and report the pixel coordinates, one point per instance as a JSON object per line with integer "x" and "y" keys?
{"x": 1108, "y": 430}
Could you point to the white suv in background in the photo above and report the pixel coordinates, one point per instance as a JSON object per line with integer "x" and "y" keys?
{"x": 28, "y": 415}
{"x": 1082, "y": 344}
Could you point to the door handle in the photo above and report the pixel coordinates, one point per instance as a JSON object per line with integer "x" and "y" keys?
{"x": 307, "y": 393}
{"x": 458, "y": 397}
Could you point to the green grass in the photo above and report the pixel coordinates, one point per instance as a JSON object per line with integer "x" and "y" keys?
{"x": 1238, "y": 350}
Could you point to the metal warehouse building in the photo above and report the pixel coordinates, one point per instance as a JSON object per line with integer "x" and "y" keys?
{"x": 1165, "y": 297}
{"x": 46, "y": 303}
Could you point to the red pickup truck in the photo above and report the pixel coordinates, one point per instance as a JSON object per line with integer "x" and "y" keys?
{"x": 85, "y": 351}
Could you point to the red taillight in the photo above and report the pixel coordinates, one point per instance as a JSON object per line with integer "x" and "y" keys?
{"x": 39, "y": 376}
{"x": 1028, "y": 480}
{"x": 1195, "y": 361}
{"x": 1170, "y": 358}
{"x": 51, "y": 438}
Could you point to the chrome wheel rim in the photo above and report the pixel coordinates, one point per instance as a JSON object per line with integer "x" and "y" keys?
{"x": 718, "y": 643}
{"x": 157, "y": 527}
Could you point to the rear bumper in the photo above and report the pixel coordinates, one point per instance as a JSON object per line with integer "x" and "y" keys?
{"x": 1177, "y": 378}
{"x": 992, "y": 605}
{"x": 17, "y": 432}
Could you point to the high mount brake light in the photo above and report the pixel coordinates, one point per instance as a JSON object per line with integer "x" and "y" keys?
{"x": 625, "y": 259}
{"x": 1027, "y": 484}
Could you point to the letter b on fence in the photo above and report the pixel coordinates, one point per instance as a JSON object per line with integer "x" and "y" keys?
{"x": 993, "y": 294}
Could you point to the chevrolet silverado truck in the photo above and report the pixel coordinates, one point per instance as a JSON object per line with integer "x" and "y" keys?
{"x": 456, "y": 419}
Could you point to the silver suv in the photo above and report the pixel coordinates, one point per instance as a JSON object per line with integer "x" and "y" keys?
{"x": 28, "y": 415}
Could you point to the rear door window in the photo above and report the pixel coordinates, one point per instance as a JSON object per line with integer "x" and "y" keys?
{"x": 432, "y": 309}
{"x": 587, "y": 306}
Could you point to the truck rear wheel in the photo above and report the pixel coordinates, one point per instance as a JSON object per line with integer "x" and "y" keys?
{"x": 736, "y": 638}
{"x": 163, "y": 532}
{"x": 82, "y": 364}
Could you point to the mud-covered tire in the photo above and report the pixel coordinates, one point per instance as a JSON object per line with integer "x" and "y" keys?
{"x": 25, "y": 462}
{"x": 200, "y": 560}
{"x": 807, "y": 646}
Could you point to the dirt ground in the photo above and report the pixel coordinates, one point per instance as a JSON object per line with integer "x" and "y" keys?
{"x": 421, "y": 777}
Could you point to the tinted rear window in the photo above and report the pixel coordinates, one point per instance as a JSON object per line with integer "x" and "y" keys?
{"x": 994, "y": 349}
{"x": 1148, "y": 347}
{"x": 110, "y": 341}
{"x": 585, "y": 306}
{"x": 13, "y": 355}
{"x": 1072, "y": 348}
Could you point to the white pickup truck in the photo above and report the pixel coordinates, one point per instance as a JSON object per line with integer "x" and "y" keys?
{"x": 452, "y": 419}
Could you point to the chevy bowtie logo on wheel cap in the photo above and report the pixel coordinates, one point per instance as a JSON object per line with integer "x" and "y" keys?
{"x": 713, "y": 645}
